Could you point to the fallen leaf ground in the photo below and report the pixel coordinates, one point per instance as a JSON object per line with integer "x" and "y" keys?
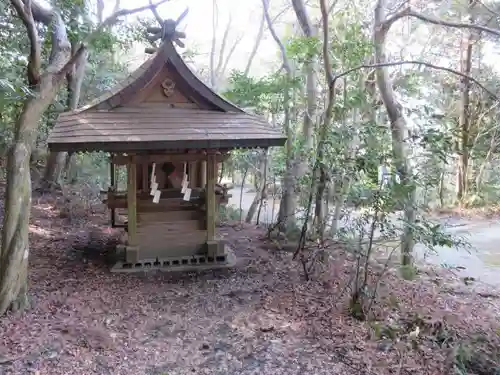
{"x": 261, "y": 317}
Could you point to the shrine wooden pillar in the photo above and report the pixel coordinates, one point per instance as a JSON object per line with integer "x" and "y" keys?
{"x": 193, "y": 174}
{"x": 211, "y": 206}
{"x": 203, "y": 174}
{"x": 112, "y": 189}
{"x": 132, "y": 252}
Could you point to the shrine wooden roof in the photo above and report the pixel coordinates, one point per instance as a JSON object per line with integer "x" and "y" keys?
{"x": 162, "y": 105}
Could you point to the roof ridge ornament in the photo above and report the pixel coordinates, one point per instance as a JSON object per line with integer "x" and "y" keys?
{"x": 167, "y": 30}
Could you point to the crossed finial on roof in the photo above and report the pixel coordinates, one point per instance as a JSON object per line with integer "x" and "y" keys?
{"x": 167, "y": 31}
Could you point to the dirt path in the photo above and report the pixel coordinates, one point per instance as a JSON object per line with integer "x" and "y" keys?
{"x": 481, "y": 261}
{"x": 266, "y": 215}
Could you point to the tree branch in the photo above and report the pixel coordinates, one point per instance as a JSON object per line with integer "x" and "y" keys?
{"x": 326, "y": 50}
{"x": 31, "y": 11}
{"x": 60, "y": 44}
{"x": 280, "y": 13}
{"x": 331, "y": 7}
{"x": 230, "y": 53}
{"x": 281, "y": 46}
{"x": 34, "y": 60}
{"x": 256, "y": 45}
{"x": 215, "y": 23}
{"x": 488, "y": 8}
{"x": 302, "y": 17}
{"x": 155, "y": 13}
{"x": 412, "y": 62}
{"x": 408, "y": 12}
{"x": 225, "y": 36}
{"x": 107, "y": 22}
{"x": 100, "y": 10}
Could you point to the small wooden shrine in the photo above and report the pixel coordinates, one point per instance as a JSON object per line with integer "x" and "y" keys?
{"x": 171, "y": 132}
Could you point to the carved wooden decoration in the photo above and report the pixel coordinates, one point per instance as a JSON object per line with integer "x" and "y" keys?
{"x": 168, "y": 86}
{"x": 166, "y": 31}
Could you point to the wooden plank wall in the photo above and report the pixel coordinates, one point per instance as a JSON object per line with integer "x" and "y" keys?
{"x": 170, "y": 233}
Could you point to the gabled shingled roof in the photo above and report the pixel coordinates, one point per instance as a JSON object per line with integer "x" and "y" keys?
{"x": 113, "y": 122}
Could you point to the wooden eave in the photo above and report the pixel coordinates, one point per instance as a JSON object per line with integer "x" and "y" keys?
{"x": 118, "y": 121}
{"x": 140, "y": 129}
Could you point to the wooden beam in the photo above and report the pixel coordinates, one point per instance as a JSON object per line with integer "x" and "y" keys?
{"x": 85, "y": 144}
{"x": 148, "y": 205}
{"x": 210, "y": 197}
{"x": 132, "y": 254}
{"x": 174, "y": 158}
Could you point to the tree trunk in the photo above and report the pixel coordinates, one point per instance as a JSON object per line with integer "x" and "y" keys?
{"x": 57, "y": 161}
{"x": 340, "y": 191}
{"x": 221, "y": 174}
{"x": 53, "y": 169}
{"x": 320, "y": 166}
{"x": 301, "y": 160}
{"x": 264, "y": 192}
{"x": 464, "y": 121}
{"x": 297, "y": 165}
{"x": 253, "y": 207}
{"x": 399, "y": 134}
{"x": 288, "y": 202}
{"x": 441, "y": 186}
{"x": 259, "y": 188}
{"x": 256, "y": 179}
{"x": 487, "y": 159}
{"x": 69, "y": 168}
{"x": 336, "y": 215}
{"x": 308, "y": 29}
{"x": 243, "y": 180}
{"x": 15, "y": 246}
{"x": 318, "y": 172}
{"x": 320, "y": 210}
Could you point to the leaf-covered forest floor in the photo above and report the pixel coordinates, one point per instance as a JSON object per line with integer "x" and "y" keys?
{"x": 261, "y": 317}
